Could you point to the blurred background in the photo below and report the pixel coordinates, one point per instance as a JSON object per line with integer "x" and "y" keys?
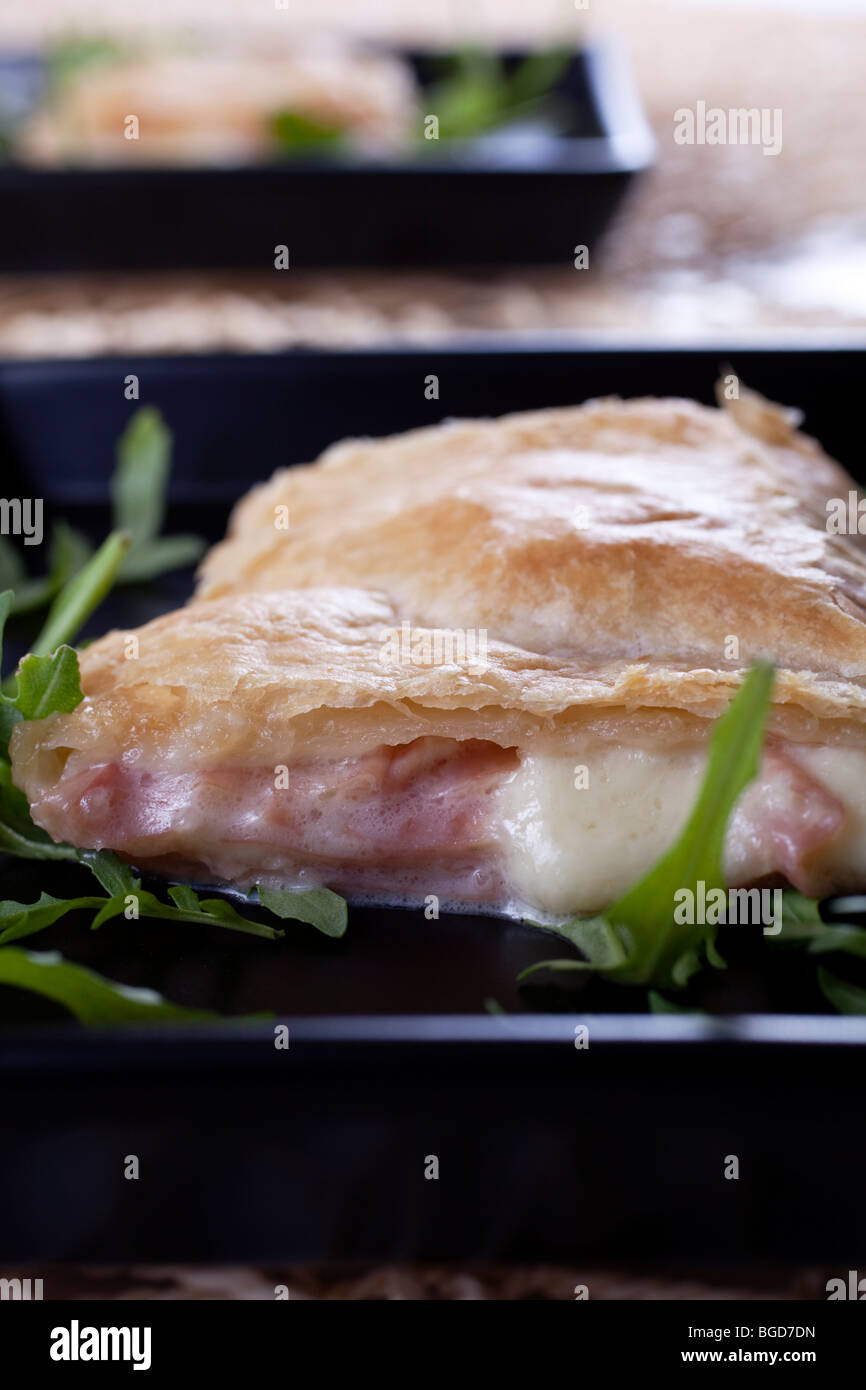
{"x": 713, "y": 243}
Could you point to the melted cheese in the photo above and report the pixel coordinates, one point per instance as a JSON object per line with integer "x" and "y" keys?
{"x": 575, "y": 842}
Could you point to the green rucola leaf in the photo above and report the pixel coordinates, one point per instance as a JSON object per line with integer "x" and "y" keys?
{"x": 138, "y": 486}
{"x": 12, "y": 571}
{"x": 658, "y": 1004}
{"x": 139, "y": 489}
{"x": 115, "y": 877}
{"x": 657, "y": 945}
{"x": 847, "y": 998}
{"x": 22, "y": 919}
{"x": 153, "y": 558}
{"x": 637, "y": 940}
{"x": 49, "y": 684}
{"x": 74, "y": 605}
{"x": 91, "y": 998}
{"x": 186, "y": 906}
{"x": 324, "y": 910}
{"x": 595, "y": 937}
{"x": 70, "y": 552}
{"x": 849, "y": 940}
{"x": 294, "y": 133}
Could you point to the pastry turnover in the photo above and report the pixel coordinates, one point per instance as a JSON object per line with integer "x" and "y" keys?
{"x": 217, "y": 105}
{"x": 482, "y": 661}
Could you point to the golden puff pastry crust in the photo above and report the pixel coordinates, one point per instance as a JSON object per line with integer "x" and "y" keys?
{"x": 645, "y": 532}
{"x": 594, "y": 562}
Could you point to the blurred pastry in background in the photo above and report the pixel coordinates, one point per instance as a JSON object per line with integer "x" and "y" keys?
{"x": 106, "y": 103}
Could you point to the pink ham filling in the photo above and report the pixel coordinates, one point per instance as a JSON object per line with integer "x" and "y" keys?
{"x": 401, "y": 821}
{"x": 427, "y": 804}
{"x": 795, "y": 816}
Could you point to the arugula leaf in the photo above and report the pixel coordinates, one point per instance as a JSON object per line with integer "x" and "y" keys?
{"x": 68, "y": 57}
{"x": 138, "y": 488}
{"x": 45, "y": 685}
{"x": 850, "y": 940}
{"x": 293, "y": 133}
{"x": 25, "y": 919}
{"x": 12, "y": 571}
{"x": 150, "y": 559}
{"x": 659, "y": 1005}
{"x": 71, "y": 609}
{"x": 802, "y": 922}
{"x": 18, "y": 834}
{"x": 801, "y": 917}
{"x": 655, "y": 949}
{"x": 477, "y": 94}
{"x": 69, "y": 553}
{"x": 324, "y": 910}
{"x": 847, "y": 998}
{"x": 91, "y": 998}
{"x": 115, "y": 876}
{"x": 660, "y": 951}
{"x": 49, "y": 684}
{"x": 188, "y": 907}
{"x": 140, "y": 478}
{"x": 139, "y": 492}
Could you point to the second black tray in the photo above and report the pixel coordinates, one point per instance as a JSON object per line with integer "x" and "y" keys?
{"x": 476, "y": 206}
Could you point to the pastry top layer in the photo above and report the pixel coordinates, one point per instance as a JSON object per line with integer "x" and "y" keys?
{"x": 520, "y": 580}
{"x": 641, "y": 531}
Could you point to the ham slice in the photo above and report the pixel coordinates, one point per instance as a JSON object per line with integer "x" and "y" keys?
{"x": 789, "y": 817}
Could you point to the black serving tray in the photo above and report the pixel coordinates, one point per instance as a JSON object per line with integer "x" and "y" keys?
{"x": 546, "y": 1150}
{"x": 482, "y": 203}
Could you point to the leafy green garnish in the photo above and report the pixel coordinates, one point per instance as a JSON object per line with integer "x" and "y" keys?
{"x": 658, "y": 1004}
{"x": 48, "y": 682}
{"x": 478, "y": 93}
{"x": 294, "y": 134}
{"x": 139, "y": 488}
{"x": 850, "y": 941}
{"x": 45, "y": 685}
{"x": 68, "y": 57}
{"x": 69, "y": 552}
{"x": 324, "y": 910}
{"x": 18, "y": 834}
{"x": 637, "y": 941}
{"x": 52, "y": 685}
{"x": 802, "y": 922}
{"x": 23, "y": 919}
{"x": 139, "y": 492}
{"x": 91, "y": 998}
{"x": 74, "y": 605}
{"x": 847, "y": 998}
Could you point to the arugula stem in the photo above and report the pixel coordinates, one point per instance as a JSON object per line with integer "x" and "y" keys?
{"x": 74, "y": 605}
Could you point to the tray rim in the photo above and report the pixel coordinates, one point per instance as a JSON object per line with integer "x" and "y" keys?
{"x": 468, "y": 346}
{"x": 68, "y": 1046}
